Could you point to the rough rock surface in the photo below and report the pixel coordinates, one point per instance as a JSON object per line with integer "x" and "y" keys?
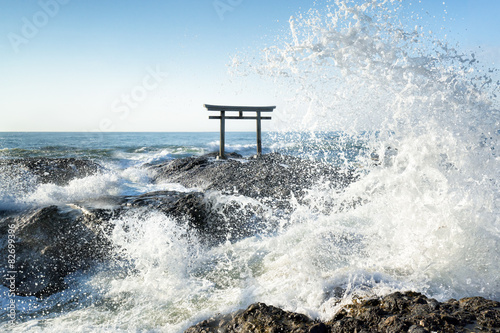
{"x": 269, "y": 176}
{"x": 50, "y": 243}
{"x": 258, "y": 318}
{"x": 57, "y": 171}
{"x": 214, "y": 221}
{"x": 397, "y": 312}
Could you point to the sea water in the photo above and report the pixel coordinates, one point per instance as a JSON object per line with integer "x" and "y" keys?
{"x": 373, "y": 91}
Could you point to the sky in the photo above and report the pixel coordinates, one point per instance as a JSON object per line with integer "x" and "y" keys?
{"x": 137, "y": 65}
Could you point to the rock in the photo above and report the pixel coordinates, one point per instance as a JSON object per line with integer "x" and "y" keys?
{"x": 257, "y": 192}
{"x": 183, "y": 205}
{"x": 50, "y": 243}
{"x": 397, "y": 312}
{"x": 268, "y": 176}
{"x": 54, "y": 241}
{"x": 257, "y": 318}
{"x": 318, "y": 328}
{"x": 214, "y": 220}
{"x": 59, "y": 171}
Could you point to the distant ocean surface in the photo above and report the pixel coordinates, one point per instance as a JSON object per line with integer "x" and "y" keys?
{"x": 121, "y": 146}
{"x": 138, "y": 148}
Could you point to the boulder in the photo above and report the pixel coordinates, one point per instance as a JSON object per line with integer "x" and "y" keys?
{"x": 50, "y": 243}
{"x": 396, "y": 312}
{"x": 59, "y": 171}
{"x": 272, "y": 176}
{"x": 257, "y": 318}
{"x": 213, "y": 219}
{"x": 414, "y": 312}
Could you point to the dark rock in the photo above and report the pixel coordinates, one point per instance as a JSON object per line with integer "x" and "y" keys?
{"x": 188, "y": 205}
{"x": 318, "y": 328}
{"x": 268, "y": 176}
{"x": 257, "y": 318}
{"x": 59, "y": 171}
{"x": 417, "y": 329}
{"x": 414, "y": 312}
{"x": 213, "y": 220}
{"x": 397, "y": 312}
{"x": 50, "y": 243}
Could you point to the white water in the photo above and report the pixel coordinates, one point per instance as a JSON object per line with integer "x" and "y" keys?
{"x": 424, "y": 217}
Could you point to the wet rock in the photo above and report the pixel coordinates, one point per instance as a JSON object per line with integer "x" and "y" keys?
{"x": 188, "y": 205}
{"x": 54, "y": 241}
{"x": 257, "y": 318}
{"x": 414, "y": 312}
{"x": 397, "y": 312}
{"x": 214, "y": 218}
{"x": 59, "y": 171}
{"x": 50, "y": 243}
{"x": 268, "y": 176}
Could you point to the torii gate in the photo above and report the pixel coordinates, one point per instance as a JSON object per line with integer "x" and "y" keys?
{"x": 228, "y": 108}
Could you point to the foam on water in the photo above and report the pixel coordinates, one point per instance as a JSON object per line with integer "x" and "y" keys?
{"x": 22, "y": 191}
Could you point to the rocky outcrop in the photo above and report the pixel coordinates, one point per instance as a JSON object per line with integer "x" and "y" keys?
{"x": 397, "y": 312}
{"x": 235, "y": 198}
{"x": 268, "y": 176}
{"x": 54, "y": 241}
{"x": 59, "y": 171}
{"x": 413, "y": 312}
{"x": 50, "y": 243}
{"x": 257, "y": 318}
{"x": 214, "y": 220}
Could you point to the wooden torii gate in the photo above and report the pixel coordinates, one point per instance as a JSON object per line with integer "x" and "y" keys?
{"x": 240, "y": 109}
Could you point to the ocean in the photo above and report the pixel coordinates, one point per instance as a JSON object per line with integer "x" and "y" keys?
{"x": 416, "y": 119}
{"x": 124, "y": 155}
{"x": 173, "y": 269}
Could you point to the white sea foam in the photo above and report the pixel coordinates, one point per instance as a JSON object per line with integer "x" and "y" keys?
{"x": 107, "y": 184}
{"x": 428, "y": 211}
{"x": 243, "y": 149}
{"x": 14, "y": 184}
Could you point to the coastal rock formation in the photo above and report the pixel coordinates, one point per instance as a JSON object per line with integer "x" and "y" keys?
{"x": 59, "y": 171}
{"x": 258, "y": 318}
{"x": 397, "y": 312}
{"x": 268, "y": 176}
{"x": 50, "y": 243}
{"x": 228, "y": 200}
{"x": 54, "y": 241}
{"x": 213, "y": 219}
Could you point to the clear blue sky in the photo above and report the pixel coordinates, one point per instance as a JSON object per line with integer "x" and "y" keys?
{"x": 136, "y": 65}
